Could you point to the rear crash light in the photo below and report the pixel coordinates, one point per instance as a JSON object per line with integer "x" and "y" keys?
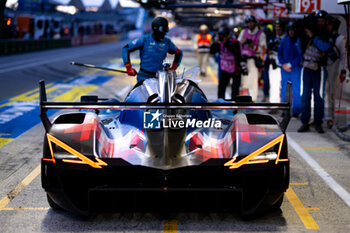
{"x": 265, "y": 156}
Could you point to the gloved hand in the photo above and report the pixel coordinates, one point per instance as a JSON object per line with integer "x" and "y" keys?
{"x": 173, "y": 67}
{"x": 244, "y": 67}
{"x": 131, "y": 71}
{"x": 342, "y": 75}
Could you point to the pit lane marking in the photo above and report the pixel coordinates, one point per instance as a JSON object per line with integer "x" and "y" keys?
{"x": 4, "y": 141}
{"x": 212, "y": 76}
{"x": 320, "y": 148}
{"x": 28, "y": 96}
{"x": 75, "y": 93}
{"x": 337, "y": 188}
{"x": 300, "y": 209}
{"x": 14, "y": 192}
{"x": 170, "y": 226}
{"x": 26, "y": 208}
{"x": 298, "y": 184}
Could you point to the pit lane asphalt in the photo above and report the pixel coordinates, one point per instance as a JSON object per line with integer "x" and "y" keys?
{"x": 309, "y": 203}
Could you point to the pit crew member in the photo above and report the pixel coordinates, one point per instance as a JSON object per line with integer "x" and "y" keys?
{"x": 153, "y": 50}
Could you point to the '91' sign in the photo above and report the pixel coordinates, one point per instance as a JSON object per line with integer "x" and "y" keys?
{"x": 309, "y": 6}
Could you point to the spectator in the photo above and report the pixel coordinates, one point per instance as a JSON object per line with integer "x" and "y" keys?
{"x": 335, "y": 68}
{"x": 275, "y": 66}
{"x": 203, "y": 49}
{"x": 289, "y": 56}
{"x": 230, "y": 56}
{"x": 270, "y": 37}
{"x": 314, "y": 74}
{"x": 253, "y": 44}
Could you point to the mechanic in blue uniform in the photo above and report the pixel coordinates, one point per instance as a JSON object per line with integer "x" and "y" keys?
{"x": 314, "y": 72}
{"x": 290, "y": 56}
{"x": 153, "y": 50}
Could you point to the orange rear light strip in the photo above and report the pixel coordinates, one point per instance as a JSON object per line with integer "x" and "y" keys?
{"x": 83, "y": 158}
{"x": 279, "y": 151}
{"x": 50, "y": 160}
{"x": 247, "y": 159}
{"x": 51, "y": 150}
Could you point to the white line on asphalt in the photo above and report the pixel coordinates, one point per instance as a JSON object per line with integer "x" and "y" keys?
{"x": 337, "y": 188}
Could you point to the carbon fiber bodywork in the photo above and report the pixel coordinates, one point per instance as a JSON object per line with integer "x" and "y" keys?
{"x": 105, "y": 158}
{"x": 124, "y": 187}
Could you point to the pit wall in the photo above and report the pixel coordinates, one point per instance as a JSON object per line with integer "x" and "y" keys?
{"x": 8, "y": 47}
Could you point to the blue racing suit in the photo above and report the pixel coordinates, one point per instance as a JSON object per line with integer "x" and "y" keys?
{"x": 314, "y": 79}
{"x": 289, "y": 52}
{"x": 152, "y": 54}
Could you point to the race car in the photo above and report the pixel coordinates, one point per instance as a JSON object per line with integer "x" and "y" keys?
{"x": 164, "y": 148}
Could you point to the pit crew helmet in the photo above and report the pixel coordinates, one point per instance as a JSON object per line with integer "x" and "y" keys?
{"x": 250, "y": 18}
{"x": 291, "y": 25}
{"x": 160, "y": 24}
{"x": 160, "y": 27}
{"x": 321, "y": 14}
{"x": 203, "y": 27}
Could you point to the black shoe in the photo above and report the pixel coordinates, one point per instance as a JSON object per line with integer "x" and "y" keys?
{"x": 304, "y": 128}
{"x": 319, "y": 129}
{"x": 330, "y": 124}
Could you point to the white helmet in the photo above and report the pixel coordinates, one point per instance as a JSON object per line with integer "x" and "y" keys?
{"x": 203, "y": 27}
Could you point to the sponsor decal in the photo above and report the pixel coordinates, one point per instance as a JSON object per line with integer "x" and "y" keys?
{"x": 151, "y": 120}
{"x": 157, "y": 120}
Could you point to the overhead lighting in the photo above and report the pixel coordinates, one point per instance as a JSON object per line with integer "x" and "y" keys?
{"x": 91, "y": 9}
{"x": 67, "y": 9}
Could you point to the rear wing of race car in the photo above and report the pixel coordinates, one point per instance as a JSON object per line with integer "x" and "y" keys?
{"x": 45, "y": 105}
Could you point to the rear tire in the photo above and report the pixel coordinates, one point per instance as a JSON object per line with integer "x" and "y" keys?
{"x": 278, "y": 204}
{"x": 53, "y": 204}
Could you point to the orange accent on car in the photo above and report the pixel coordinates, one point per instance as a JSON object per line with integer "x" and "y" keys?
{"x": 83, "y": 158}
{"x": 50, "y": 160}
{"x": 51, "y": 151}
{"x": 247, "y": 160}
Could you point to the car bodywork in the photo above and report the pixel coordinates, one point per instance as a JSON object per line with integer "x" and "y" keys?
{"x": 103, "y": 156}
